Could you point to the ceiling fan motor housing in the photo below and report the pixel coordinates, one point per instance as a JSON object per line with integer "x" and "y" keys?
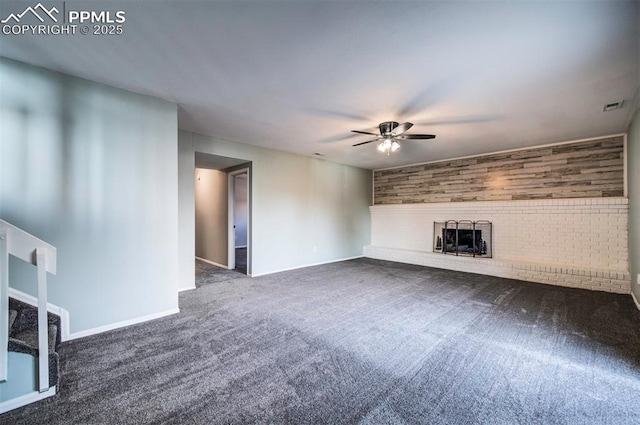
{"x": 387, "y": 127}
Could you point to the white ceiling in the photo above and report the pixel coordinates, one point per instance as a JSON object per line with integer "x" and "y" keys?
{"x": 298, "y": 76}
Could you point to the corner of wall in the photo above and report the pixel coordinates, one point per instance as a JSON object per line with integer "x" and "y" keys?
{"x": 633, "y": 178}
{"x": 186, "y": 211}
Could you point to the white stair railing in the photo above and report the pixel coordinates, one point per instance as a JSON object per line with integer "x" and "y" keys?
{"x": 22, "y": 245}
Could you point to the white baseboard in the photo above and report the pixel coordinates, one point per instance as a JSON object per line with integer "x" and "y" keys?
{"x": 307, "y": 265}
{"x": 112, "y": 326}
{"x": 635, "y": 300}
{"x": 213, "y": 263}
{"x": 572, "y": 276}
{"x": 187, "y": 288}
{"x": 32, "y": 397}
{"x": 51, "y": 308}
{"x": 67, "y": 335}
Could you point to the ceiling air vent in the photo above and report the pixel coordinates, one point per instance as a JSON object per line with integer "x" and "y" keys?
{"x": 613, "y": 106}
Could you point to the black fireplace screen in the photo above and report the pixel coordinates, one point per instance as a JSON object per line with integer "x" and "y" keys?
{"x": 465, "y": 237}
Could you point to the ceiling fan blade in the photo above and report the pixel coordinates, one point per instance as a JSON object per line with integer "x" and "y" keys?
{"x": 368, "y": 141}
{"x": 418, "y": 136}
{"x": 401, "y": 128}
{"x": 364, "y": 132}
{"x": 345, "y": 116}
{"x": 337, "y": 138}
{"x": 479, "y": 119}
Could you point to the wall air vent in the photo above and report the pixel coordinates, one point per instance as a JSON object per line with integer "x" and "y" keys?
{"x": 612, "y": 106}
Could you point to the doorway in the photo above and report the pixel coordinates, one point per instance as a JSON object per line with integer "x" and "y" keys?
{"x": 238, "y": 204}
{"x": 222, "y": 218}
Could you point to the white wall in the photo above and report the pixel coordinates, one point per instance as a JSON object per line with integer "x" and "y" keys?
{"x": 92, "y": 170}
{"x": 240, "y": 210}
{"x": 567, "y": 242}
{"x": 186, "y": 218}
{"x": 304, "y": 210}
{"x": 211, "y": 197}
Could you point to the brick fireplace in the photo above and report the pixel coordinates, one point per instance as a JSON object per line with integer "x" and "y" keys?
{"x": 558, "y": 216}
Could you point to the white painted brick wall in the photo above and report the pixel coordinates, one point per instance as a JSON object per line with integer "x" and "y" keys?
{"x": 568, "y": 242}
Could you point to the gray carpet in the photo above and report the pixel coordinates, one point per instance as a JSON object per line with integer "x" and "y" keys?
{"x": 208, "y": 273}
{"x": 361, "y": 342}
{"x": 241, "y": 260}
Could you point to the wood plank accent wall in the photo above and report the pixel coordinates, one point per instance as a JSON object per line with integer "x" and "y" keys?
{"x": 590, "y": 169}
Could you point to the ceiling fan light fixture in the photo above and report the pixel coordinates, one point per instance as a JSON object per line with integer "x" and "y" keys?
{"x": 388, "y": 145}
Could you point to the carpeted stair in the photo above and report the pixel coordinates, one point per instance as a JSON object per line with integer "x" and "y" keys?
{"x": 23, "y": 335}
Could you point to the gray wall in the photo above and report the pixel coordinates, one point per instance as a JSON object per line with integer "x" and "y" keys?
{"x": 298, "y": 203}
{"x": 211, "y": 193}
{"x": 92, "y": 170}
{"x": 633, "y": 181}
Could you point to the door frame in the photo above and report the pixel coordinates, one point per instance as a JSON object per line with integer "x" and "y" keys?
{"x": 231, "y": 237}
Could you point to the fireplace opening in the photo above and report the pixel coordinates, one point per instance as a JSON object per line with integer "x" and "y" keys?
{"x": 465, "y": 237}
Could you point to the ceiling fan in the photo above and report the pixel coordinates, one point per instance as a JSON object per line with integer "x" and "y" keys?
{"x": 390, "y": 133}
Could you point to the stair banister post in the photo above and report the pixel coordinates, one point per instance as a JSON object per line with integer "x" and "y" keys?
{"x": 4, "y": 304}
{"x": 43, "y": 325}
